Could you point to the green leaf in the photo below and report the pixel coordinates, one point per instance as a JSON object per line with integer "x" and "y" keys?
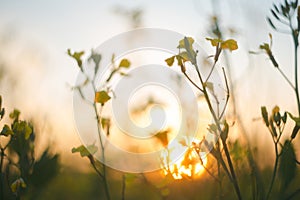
{"x": 124, "y": 63}
{"x": 265, "y": 46}
{"x": 102, "y": 97}
{"x": 184, "y": 55}
{"x": 170, "y": 61}
{"x": 283, "y": 10}
{"x": 105, "y": 122}
{"x": 85, "y": 151}
{"x": 214, "y": 42}
{"x": 294, "y": 4}
{"x": 96, "y": 58}
{"x": 230, "y": 44}
{"x": 284, "y": 117}
{"x": 295, "y": 131}
{"x": 271, "y": 23}
{"x": 276, "y": 8}
{"x": 6, "y": 131}
{"x": 264, "y": 114}
{"x": 191, "y": 54}
{"x": 163, "y": 137}
{"x": 274, "y": 132}
{"x": 17, "y": 184}
{"x": 77, "y": 56}
{"x": 180, "y": 63}
{"x": 182, "y": 43}
{"x": 274, "y": 14}
{"x": 15, "y": 114}
{"x": 2, "y": 110}
{"x": 224, "y": 133}
{"x": 27, "y": 131}
{"x": 287, "y": 165}
{"x": 212, "y": 128}
{"x": 277, "y": 118}
{"x": 22, "y": 128}
{"x": 275, "y": 110}
{"x": 295, "y": 119}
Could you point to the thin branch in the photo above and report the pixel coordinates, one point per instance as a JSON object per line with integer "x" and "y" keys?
{"x": 83, "y": 97}
{"x": 232, "y": 172}
{"x": 185, "y": 74}
{"x": 1, "y": 176}
{"x": 211, "y": 70}
{"x": 123, "y": 186}
{"x": 227, "y": 96}
{"x": 296, "y": 43}
{"x": 207, "y": 170}
{"x": 286, "y": 78}
{"x": 274, "y": 171}
{"x": 97, "y": 170}
{"x": 98, "y": 117}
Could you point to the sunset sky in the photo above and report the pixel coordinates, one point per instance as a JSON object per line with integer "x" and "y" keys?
{"x": 40, "y": 32}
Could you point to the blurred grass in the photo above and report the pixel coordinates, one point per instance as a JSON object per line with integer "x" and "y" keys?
{"x": 71, "y": 184}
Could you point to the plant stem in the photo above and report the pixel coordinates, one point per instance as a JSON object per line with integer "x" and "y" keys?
{"x": 1, "y": 175}
{"x": 274, "y": 171}
{"x": 235, "y": 183}
{"x": 211, "y": 70}
{"x": 218, "y": 32}
{"x": 98, "y": 118}
{"x": 220, "y": 182}
{"x": 103, "y": 155}
{"x": 185, "y": 74}
{"x": 207, "y": 170}
{"x": 217, "y": 121}
{"x": 286, "y": 78}
{"x": 296, "y": 44}
{"x": 296, "y": 77}
{"x": 123, "y": 186}
{"x": 96, "y": 169}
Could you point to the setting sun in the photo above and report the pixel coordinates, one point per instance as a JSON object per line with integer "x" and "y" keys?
{"x": 182, "y": 161}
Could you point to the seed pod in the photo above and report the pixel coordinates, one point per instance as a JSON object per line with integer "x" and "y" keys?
{"x": 295, "y": 131}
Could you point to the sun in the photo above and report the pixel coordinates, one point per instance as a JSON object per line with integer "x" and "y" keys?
{"x": 182, "y": 161}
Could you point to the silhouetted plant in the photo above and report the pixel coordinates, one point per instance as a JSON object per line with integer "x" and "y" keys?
{"x": 101, "y": 97}
{"x": 20, "y": 172}
{"x": 220, "y": 127}
{"x": 286, "y": 19}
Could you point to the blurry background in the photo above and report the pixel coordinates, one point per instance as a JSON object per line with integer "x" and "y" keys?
{"x": 36, "y": 71}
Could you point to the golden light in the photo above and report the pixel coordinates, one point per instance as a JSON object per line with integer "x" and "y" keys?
{"x": 182, "y": 161}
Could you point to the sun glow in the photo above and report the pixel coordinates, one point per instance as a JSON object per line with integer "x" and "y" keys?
{"x": 182, "y": 161}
